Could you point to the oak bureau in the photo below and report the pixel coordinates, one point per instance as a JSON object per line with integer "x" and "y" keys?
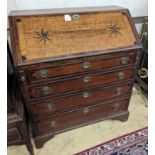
{"x": 76, "y": 66}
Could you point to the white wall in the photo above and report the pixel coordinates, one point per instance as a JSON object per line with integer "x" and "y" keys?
{"x": 136, "y": 7}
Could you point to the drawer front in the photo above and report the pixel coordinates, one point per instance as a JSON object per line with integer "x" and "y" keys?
{"x": 13, "y": 136}
{"x": 52, "y": 105}
{"x": 76, "y": 66}
{"x": 86, "y": 81}
{"x": 83, "y": 115}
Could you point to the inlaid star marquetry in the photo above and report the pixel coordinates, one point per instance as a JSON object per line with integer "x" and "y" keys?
{"x": 114, "y": 29}
{"x": 43, "y": 36}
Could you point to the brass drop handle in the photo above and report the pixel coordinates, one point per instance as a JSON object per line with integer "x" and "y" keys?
{"x": 53, "y": 123}
{"x": 86, "y": 65}
{"x": 43, "y": 73}
{"x": 123, "y": 60}
{"x": 45, "y": 90}
{"x": 115, "y": 107}
{"x": 50, "y": 106}
{"x": 118, "y": 91}
{"x": 86, "y": 95}
{"x": 86, "y": 79}
{"x": 85, "y": 110}
{"x": 120, "y": 75}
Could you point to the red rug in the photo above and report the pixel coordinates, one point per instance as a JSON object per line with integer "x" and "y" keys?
{"x": 135, "y": 143}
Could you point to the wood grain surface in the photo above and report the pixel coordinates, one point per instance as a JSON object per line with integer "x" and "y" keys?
{"x": 62, "y": 69}
{"x": 47, "y": 36}
{"x": 79, "y": 116}
{"x": 52, "y": 105}
{"x": 76, "y": 83}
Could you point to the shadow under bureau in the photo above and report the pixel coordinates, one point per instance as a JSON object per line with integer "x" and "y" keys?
{"x": 76, "y": 66}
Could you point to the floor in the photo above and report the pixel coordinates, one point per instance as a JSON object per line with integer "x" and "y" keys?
{"x": 80, "y": 139}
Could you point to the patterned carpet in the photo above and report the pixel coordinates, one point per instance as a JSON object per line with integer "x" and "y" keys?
{"x": 135, "y": 143}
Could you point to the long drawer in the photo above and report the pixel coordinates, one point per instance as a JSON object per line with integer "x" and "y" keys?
{"x": 82, "y": 82}
{"x": 61, "y": 68}
{"x": 51, "y": 105}
{"x": 83, "y": 115}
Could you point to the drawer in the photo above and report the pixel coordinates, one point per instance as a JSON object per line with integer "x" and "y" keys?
{"x": 13, "y": 135}
{"x": 62, "y": 68}
{"x": 76, "y": 83}
{"x": 80, "y": 116}
{"x": 84, "y": 98}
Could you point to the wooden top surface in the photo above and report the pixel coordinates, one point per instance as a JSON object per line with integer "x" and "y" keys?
{"x": 38, "y": 12}
{"x": 45, "y": 36}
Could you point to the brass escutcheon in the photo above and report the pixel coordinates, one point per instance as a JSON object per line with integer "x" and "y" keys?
{"x": 85, "y": 110}
{"x": 52, "y": 123}
{"x": 85, "y": 94}
{"x": 50, "y": 106}
{"x": 86, "y": 79}
{"x": 75, "y": 16}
